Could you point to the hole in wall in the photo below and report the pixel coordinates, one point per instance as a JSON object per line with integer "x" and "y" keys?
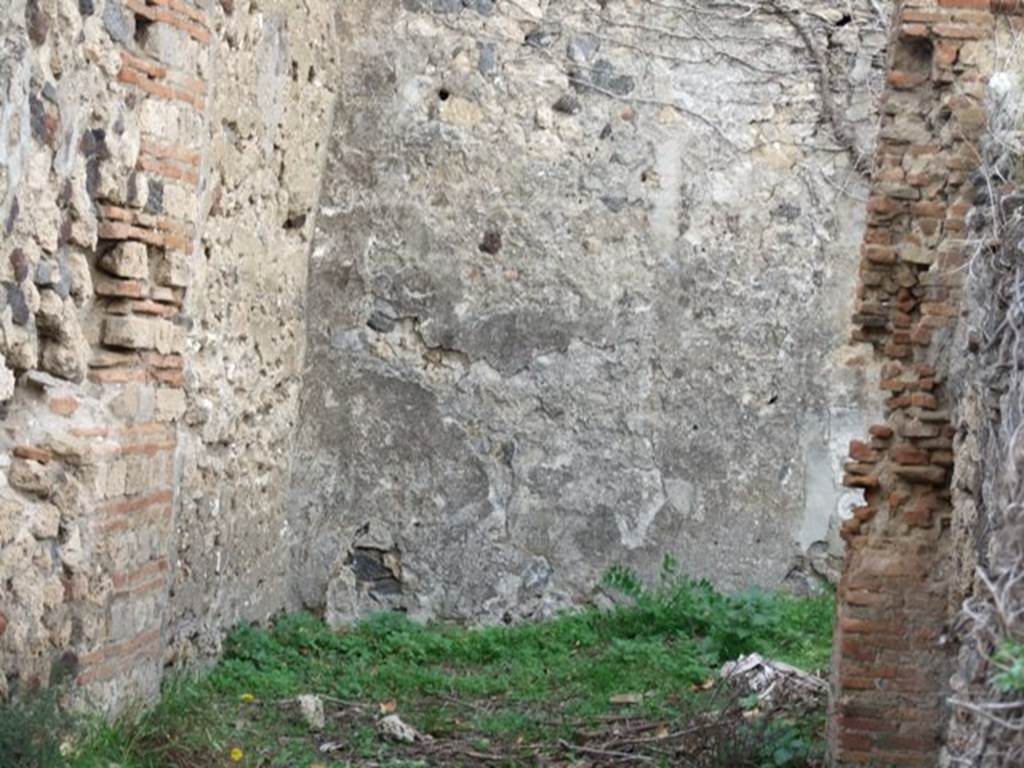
{"x": 491, "y": 242}
{"x": 844, "y": 20}
{"x": 142, "y": 26}
{"x": 444, "y": 94}
{"x": 914, "y": 55}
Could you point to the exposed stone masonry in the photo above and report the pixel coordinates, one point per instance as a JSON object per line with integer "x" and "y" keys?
{"x": 559, "y": 297}
{"x": 124, "y": 148}
{"x": 893, "y": 650}
{"x": 560, "y": 275}
{"x": 94, "y": 427}
{"x": 987, "y": 377}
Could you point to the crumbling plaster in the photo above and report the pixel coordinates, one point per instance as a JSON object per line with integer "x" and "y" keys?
{"x": 578, "y": 288}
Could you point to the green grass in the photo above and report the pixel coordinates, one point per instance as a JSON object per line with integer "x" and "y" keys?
{"x": 496, "y": 691}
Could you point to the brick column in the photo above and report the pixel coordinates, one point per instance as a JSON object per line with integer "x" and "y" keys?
{"x": 891, "y": 662}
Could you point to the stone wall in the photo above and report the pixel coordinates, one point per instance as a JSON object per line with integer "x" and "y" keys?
{"x": 144, "y": 440}
{"x": 987, "y": 491}
{"x": 575, "y": 292}
{"x": 99, "y": 206}
{"x": 898, "y": 595}
{"x": 578, "y": 289}
{"x": 270, "y": 112}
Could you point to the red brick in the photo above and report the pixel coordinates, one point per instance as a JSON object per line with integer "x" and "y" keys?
{"x": 857, "y": 648}
{"x": 865, "y": 597}
{"x": 881, "y": 431}
{"x": 908, "y": 454}
{"x": 857, "y": 683}
{"x": 925, "y": 400}
{"x": 169, "y": 17}
{"x": 871, "y": 724}
{"x": 63, "y": 406}
{"x": 914, "y": 29}
{"x": 929, "y": 209}
{"x": 140, "y": 576}
{"x": 865, "y": 514}
{"x": 962, "y": 31}
{"x": 860, "y": 481}
{"x": 903, "y": 81}
{"x": 880, "y": 254}
{"x": 929, "y": 474}
{"x": 864, "y": 626}
{"x": 168, "y": 170}
{"x": 109, "y": 661}
{"x": 127, "y": 505}
{"x": 117, "y": 375}
{"x": 849, "y": 740}
{"x": 172, "y": 152}
{"x": 33, "y": 453}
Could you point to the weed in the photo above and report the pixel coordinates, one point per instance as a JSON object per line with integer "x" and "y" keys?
{"x": 1010, "y": 661}
{"x": 34, "y": 727}
{"x": 518, "y": 695}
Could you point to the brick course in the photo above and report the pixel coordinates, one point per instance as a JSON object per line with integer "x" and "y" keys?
{"x": 892, "y": 664}
{"x": 144, "y": 257}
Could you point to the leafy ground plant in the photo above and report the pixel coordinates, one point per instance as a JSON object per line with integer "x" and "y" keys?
{"x": 1010, "y": 663}
{"x": 630, "y": 686}
{"x": 35, "y": 730}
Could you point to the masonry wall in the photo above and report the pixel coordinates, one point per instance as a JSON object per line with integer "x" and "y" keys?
{"x": 271, "y": 105}
{"x": 578, "y": 292}
{"x": 147, "y": 373}
{"x": 899, "y": 595}
{"x": 984, "y": 728}
{"x": 550, "y": 312}
{"x": 100, "y": 217}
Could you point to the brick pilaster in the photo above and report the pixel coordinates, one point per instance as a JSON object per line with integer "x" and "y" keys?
{"x": 891, "y": 662}
{"x": 142, "y": 269}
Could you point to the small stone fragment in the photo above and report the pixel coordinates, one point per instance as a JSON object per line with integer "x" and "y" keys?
{"x": 396, "y": 729}
{"x": 488, "y": 61}
{"x": 312, "y": 708}
{"x": 120, "y": 23}
{"x": 18, "y": 303}
{"x": 491, "y": 242}
{"x": 19, "y": 262}
{"x": 6, "y": 381}
{"x": 580, "y": 49}
{"x": 128, "y": 259}
{"x": 381, "y": 322}
{"x": 37, "y": 21}
{"x": 46, "y": 275}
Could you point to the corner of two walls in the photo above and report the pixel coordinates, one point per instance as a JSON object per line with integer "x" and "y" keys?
{"x": 157, "y": 197}
{"x": 270, "y": 113}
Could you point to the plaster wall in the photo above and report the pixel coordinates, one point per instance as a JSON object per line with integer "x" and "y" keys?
{"x": 579, "y": 294}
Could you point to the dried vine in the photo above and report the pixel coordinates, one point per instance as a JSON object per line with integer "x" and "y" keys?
{"x": 988, "y": 725}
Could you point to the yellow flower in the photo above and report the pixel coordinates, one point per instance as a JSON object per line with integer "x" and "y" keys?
{"x": 248, "y": 697}
{"x": 236, "y": 755}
